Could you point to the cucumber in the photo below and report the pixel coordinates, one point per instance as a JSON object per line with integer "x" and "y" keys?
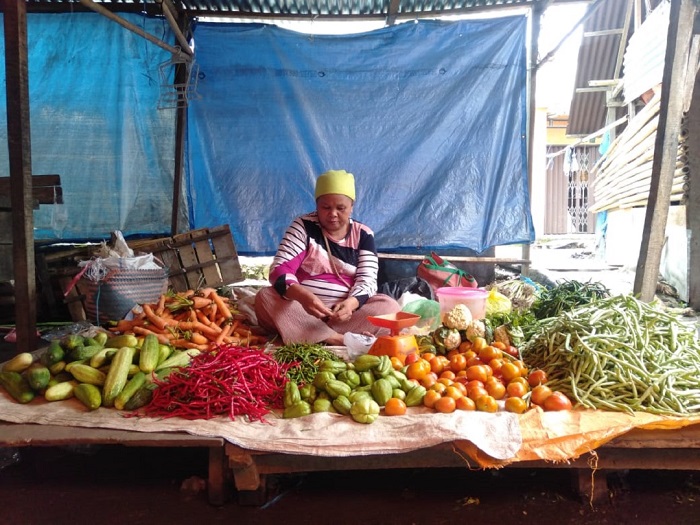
{"x": 89, "y": 395}
{"x": 134, "y": 384}
{"x": 38, "y": 376}
{"x": 17, "y": 386}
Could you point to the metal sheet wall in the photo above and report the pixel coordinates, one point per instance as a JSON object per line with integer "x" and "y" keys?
{"x": 569, "y": 192}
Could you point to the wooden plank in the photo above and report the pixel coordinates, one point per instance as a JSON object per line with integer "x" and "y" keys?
{"x": 19, "y": 149}
{"x": 205, "y": 255}
{"x": 20, "y": 435}
{"x": 693, "y": 205}
{"x": 680, "y": 32}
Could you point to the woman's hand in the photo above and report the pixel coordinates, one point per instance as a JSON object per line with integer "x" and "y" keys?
{"x": 343, "y": 310}
{"x": 309, "y": 301}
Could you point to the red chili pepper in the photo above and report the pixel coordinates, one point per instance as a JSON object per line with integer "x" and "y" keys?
{"x": 233, "y": 380}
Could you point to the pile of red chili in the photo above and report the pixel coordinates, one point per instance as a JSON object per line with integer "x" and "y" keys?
{"x": 233, "y": 380}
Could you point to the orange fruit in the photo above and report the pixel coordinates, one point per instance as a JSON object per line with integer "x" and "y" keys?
{"x": 431, "y": 396}
{"x": 395, "y": 407}
{"x": 418, "y": 370}
{"x": 445, "y": 405}
{"x": 517, "y": 405}
{"x": 465, "y": 403}
{"x": 486, "y": 404}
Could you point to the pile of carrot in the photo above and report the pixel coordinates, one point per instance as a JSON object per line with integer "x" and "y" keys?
{"x": 200, "y": 319}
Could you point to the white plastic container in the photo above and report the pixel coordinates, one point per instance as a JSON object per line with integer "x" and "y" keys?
{"x": 472, "y": 298}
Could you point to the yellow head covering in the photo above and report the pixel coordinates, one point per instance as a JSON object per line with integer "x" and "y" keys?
{"x": 336, "y": 181}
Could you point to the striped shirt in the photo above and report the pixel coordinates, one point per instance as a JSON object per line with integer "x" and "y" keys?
{"x": 302, "y": 258}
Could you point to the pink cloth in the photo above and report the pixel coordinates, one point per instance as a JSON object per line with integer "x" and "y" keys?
{"x": 289, "y": 320}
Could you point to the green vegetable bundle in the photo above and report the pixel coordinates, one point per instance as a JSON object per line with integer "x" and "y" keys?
{"x": 620, "y": 354}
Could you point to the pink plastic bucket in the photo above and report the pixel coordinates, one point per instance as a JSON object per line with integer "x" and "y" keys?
{"x": 472, "y": 298}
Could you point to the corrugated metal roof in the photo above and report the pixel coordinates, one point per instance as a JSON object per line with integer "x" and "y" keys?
{"x": 298, "y": 8}
{"x": 599, "y": 59}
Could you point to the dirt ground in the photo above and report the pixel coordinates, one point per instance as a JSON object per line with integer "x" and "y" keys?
{"x": 117, "y": 485}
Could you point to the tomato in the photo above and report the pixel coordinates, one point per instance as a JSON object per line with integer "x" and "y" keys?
{"x": 439, "y": 388}
{"x": 470, "y": 354}
{"x": 395, "y": 407}
{"x": 517, "y": 389}
{"x": 447, "y": 374}
{"x": 510, "y": 371}
{"x": 473, "y": 361}
{"x": 418, "y": 370}
{"x": 495, "y": 365}
{"x": 429, "y": 380}
{"x": 495, "y": 388}
{"x": 464, "y": 346}
{"x": 412, "y": 358}
{"x": 453, "y": 392}
{"x": 465, "y": 403}
{"x": 445, "y": 405}
{"x": 460, "y": 386}
{"x": 427, "y": 356}
{"x": 523, "y": 369}
{"x": 452, "y": 352}
{"x": 513, "y": 351}
{"x": 458, "y": 362}
{"x": 537, "y": 377}
{"x": 478, "y": 343}
{"x": 498, "y": 344}
{"x": 431, "y": 396}
{"x": 539, "y": 394}
{"x": 478, "y": 372}
{"x": 557, "y": 401}
{"x": 476, "y": 392}
{"x": 490, "y": 352}
{"x": 486, "y": 404}
{"x": 517, "y": 405}
{"x": 438, "y": 363}
{"x": 445, "y": 381}
{"x": 396, "y": 363}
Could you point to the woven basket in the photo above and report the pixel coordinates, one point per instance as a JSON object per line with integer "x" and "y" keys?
{"x": 113, "y": 296}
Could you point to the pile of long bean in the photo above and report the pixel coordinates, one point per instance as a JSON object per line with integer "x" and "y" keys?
{"x": 620, "y": 354}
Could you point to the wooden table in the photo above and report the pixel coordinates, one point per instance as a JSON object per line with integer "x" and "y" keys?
{"x": 21, "y": 435}
{"x": 677, "y": 449}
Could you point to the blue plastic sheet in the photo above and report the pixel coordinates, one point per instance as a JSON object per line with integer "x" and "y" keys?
{"x": 429, "y": 116}
{"x": 94, "y": 88}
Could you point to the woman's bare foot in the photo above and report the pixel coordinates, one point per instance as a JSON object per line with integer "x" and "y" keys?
{"x": 335, "y": 340}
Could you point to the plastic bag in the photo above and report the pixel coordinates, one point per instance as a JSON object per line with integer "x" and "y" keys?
{"x": 428, "y": 310}
{"x": 497, "y": 303}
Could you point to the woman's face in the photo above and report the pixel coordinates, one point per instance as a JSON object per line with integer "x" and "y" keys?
{"x": 334, "y": 213}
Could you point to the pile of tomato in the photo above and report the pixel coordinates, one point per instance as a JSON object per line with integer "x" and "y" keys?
{"x": 481, "y": 376}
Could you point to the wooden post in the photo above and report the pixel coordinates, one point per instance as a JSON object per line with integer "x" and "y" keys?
{"x": 19, "y": 146}
{"x": 680, "y": 31}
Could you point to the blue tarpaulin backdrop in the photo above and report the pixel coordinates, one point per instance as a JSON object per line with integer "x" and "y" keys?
{"x": 429, "y": 116}
{"x": 94, "y": 88}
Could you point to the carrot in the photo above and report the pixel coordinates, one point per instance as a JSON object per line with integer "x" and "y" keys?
{"x": 156, "y": 320}
{"x": 184, "y": 343}
{"x": 199, "y": 339}
{"x": 225, "y": 332}
{"x": 160, "y": 305}
{"x": 221, "y": 305}
{"x": 202, "y": 317}
{"x": 162, "y": 338}
{"x": 200, "y": 302}
{"x": 210, "y": 332}
{"x": 213, "y": 311}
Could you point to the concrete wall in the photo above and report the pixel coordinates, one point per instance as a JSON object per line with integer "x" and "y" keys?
{"x": 623, "y": 238}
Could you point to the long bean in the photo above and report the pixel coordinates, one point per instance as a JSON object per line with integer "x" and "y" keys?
{"x": 619, "y": 353}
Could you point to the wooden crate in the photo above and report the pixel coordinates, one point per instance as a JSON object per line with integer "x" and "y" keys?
{"x": 200, "y": 258}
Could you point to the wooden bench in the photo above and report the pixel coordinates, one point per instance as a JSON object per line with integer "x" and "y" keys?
{"x": 20, "y": 435}
{"x": 46, "y": 189}
{"x": 676, "y": 449}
